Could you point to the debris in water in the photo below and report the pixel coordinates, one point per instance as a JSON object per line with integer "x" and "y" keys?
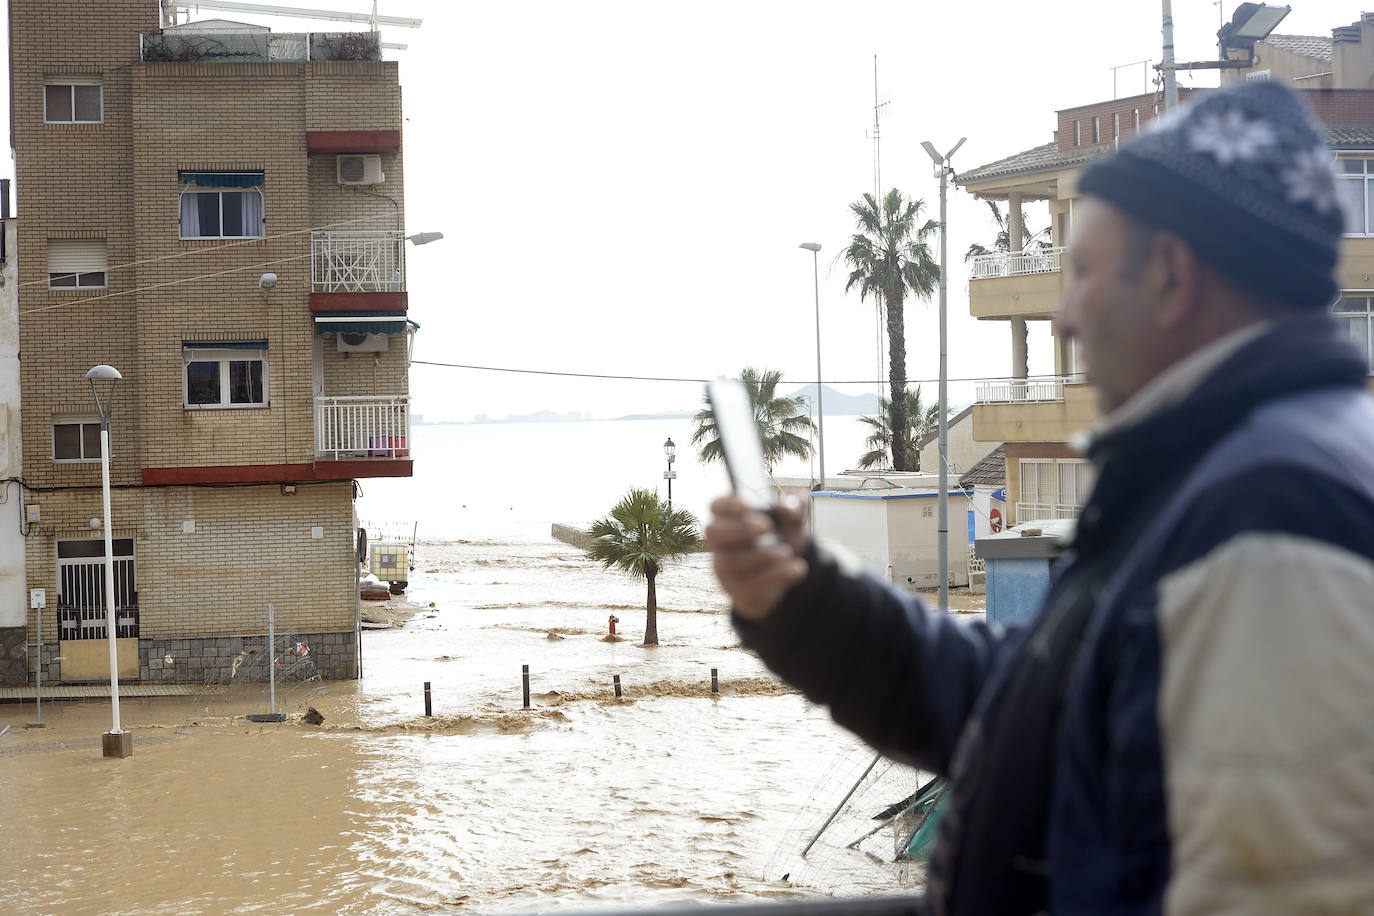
{"x": 553, "y": 634}
{"x": 312, "y": 716}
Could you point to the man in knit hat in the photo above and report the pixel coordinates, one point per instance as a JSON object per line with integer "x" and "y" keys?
{"x": 1187, "y": 724}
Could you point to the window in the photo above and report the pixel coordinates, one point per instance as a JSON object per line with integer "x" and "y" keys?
{"x": 225, "y": 374}
{"x": 1355, "y": 184}
{"x": 1075, "y": 481}
{"x": 73, "y": 103}
{"x": 76, "y": 264}
{"x": 1037, "y": 480}
{"x": 1356, "y": 312}
{"x": 1077, "y": 134}
{"x": 76, "y": 440}
{"x": 1097, "y": 136}
{"x": 221, "y": 205}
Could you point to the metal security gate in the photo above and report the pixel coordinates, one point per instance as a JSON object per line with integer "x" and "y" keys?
{"x": 81, "y": 589}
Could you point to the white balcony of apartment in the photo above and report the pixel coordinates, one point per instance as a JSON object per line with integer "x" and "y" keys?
{"x": 362, "y": 427}
{"x": 357, "y": 261}
{"x": 1035, "y": 409}
{"x": 1016, "y": 284}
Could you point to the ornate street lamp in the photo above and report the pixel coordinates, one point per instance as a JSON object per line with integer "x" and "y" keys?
{"x": 670, "y": 452}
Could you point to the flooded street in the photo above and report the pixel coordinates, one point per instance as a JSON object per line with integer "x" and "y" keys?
{"x": 668, "y": 794}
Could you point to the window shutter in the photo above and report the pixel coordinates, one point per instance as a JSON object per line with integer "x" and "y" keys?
{"x": 76, "y": 256}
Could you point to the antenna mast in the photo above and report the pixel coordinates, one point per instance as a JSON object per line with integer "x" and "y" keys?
{"x": 878, "y": 106}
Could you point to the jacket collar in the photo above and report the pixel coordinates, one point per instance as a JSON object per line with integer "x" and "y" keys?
{"x": 1138, "y": 460}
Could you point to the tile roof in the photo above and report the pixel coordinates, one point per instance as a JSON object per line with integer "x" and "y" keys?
{"x": 989, "y": 472}
{"x": 1350, "y": 134}
{"x": 1314, "y": 47}
{"x": 1040, "y": 158}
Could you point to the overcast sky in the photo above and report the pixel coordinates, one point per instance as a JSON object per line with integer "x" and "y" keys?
{"x": 623, "y": 185}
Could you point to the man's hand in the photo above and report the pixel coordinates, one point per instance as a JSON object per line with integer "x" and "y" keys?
{"x": 756, "y": 561}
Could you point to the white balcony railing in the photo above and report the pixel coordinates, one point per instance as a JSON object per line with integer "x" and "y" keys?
{"x": 1022, "y": 390}
{"x": 362, "y": 427}
{"x": 1043, "y": 512}
{"x": 1016, "y": 263}
{"x": 357, "y": 262}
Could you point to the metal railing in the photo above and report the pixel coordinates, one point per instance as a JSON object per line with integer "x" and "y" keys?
{"x": 1018, "y": 390}
{"x": 362, "y": 427}
{"x": 1016, "y": 263}
{"x": 366, "y": 261}
{"x": 87, "y": 621}
{"x": 1043, "y": 512}
{"x": 239, "y": 47}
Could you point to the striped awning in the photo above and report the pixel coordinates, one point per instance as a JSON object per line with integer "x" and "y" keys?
{"x": 355, "y": 323}
{"x": 222, "y": 179}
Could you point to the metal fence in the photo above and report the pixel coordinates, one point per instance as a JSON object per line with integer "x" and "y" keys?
{"x": 1043, "y": 512}
{"x": 1016, "y": 263}
{"x": 362, "y": 427}
{"x": 360, "y": 261}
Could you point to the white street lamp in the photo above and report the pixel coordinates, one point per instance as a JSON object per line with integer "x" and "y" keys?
{"x": 116, "y": 742}
{"x": 814, "y": 248}
{"x": 943, "y": 171}
{"x": 669, "y": 452}
{"x": 424, "y": 238}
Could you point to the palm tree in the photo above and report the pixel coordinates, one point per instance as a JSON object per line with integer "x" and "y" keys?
{"x": 1003, "y": 240}
{"x": 637, "y": 537}
{"x": 924, "y": 422}
{"x": 782, "y": 421}
{"x": 890, "y": 259}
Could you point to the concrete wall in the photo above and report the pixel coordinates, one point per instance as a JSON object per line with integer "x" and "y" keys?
{"x": 895, "y": 536}
{"x": 13, "y": 595}
{"x": 1015, "y": 587}
{"x": 964, "y": 450}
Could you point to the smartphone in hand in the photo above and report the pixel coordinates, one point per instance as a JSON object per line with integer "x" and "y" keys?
{"x": 740, "y": 444}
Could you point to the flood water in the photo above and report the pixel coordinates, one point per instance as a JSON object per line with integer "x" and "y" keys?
{"x": 669, "y": 794}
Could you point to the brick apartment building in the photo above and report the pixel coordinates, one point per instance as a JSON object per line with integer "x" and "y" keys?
{"x": 160, "y": 173}
{"x": 1036, "y": 417}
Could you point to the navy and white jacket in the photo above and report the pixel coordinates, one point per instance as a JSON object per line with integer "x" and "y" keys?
{"x": 1187, "y": 726}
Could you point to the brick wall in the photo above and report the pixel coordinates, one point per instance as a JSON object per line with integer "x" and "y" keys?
{"x": 118, "y": 181}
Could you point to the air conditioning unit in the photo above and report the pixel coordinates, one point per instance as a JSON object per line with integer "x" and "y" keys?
{"x": 357, "y": 342}
{"x": 359, "y": 169}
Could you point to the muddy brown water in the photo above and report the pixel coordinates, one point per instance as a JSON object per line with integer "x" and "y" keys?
{"x": 669, "y": 794}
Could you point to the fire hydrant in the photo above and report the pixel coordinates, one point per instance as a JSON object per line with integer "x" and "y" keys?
{"x": 613, "y": 621}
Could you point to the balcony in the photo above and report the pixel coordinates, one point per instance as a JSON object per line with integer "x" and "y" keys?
{"x": 368, "y": 427}
{"x": 357, "y": 271}
{"x": 1019, "y": 284}
{"x": 1044, "y": 409}
{"x": 179, "y": 46}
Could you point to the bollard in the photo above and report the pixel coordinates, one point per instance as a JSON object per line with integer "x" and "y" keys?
{"x": 429, "y": 712}
{"x": 525, "y": 677}
{"x": 617, "y": 685}
{"x": 715, "y": 682}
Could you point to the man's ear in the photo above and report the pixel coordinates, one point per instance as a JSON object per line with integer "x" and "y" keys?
{"x": 1174, "y": 280}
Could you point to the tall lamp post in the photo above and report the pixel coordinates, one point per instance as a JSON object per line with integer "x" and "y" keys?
{"x": 814, "y": 248}
{"x": 943, "y": 171}
{"x": 670, "y": 452}
{"x": 116, "y": 742}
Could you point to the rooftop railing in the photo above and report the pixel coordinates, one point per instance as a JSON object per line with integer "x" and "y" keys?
{"x": 1016, "y": 263}
{"x": 239, "y": 47}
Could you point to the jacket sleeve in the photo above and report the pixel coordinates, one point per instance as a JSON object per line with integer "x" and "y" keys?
{"x": 1266, "y": 704}
{"x": 901, "y": 677}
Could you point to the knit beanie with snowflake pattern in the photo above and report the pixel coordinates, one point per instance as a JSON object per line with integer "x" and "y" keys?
{"x": 1245, "y": 177}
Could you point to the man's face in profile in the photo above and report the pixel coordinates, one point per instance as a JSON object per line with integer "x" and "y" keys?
{"x": 1106, "y": 304}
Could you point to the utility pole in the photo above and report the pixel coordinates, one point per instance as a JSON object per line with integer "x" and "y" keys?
{"x": 1167, "y": 64}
